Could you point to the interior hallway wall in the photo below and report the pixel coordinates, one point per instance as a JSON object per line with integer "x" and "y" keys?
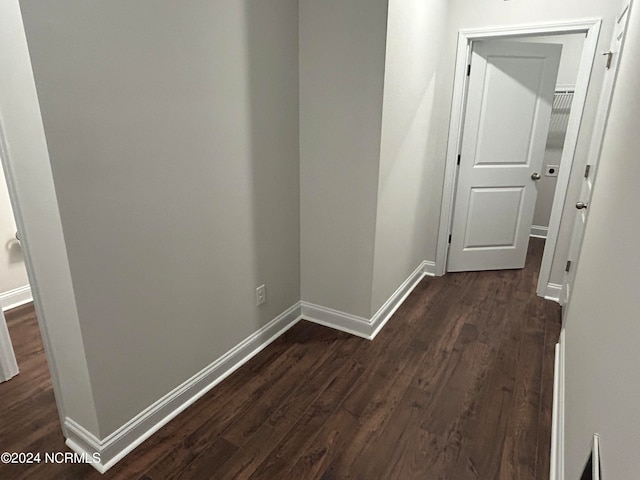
{"x": 342, "y": 63}
{"x": 26, "y": 162}
{"x": 415, "y": 39}
{"x": 602, "y": 329}
{"x": 173, "y": 135}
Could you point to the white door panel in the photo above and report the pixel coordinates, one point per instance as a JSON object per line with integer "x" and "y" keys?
{"x": 493, "y": 213}
{"x": 501, "y": 120}
{"x": 507, "y": 116}
{"x": 602, "y": 115}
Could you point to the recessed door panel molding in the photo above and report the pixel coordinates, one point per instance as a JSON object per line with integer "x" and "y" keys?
{"x": 509, "y": 104}
{"x": 500, "y": 120}
{"x": 493, "y": 217}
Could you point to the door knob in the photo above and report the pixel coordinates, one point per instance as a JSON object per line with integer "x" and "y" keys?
{"x": 535, "y": 176}
{"x": 581, "y": 205}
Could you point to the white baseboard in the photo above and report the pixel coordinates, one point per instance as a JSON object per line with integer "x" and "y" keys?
{"x": 360, "y": 326}
{"x": 118, "y": 444}
{"x": 596, "y": 457}
{"x": 386, "y": 311}
{"x": 553, "y": 292}
{"x": 429, "y": 268}
{"x": 539, "y": 232}
{"x": 16, "y": 297}
{"x": 115, "y": 446}
{"x": 556, "y": 464}
{"x": 336, "y": 319}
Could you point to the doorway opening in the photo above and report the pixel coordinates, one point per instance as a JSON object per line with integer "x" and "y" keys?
{"x": 14, "y": 283}
{"x": 25, "y": 380}
{"x": 574, "y": 93}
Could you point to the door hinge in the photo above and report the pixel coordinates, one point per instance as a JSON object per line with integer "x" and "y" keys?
{"x": 568, "y": 267}
{"x": 449, "y": 238}
{"x": 609, "y": 59}
{"x": 468, "y": 70}
{"x": 586, "y": 171}
{"x": 458, "y": 159}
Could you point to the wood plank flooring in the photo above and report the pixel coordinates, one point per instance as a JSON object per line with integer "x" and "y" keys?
{"x": 458, "y": 385}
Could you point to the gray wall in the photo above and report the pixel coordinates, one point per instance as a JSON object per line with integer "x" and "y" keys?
{"x": 173, "y": 134}
{"x": 26, "y": 163}
{"x": 342, "y": 54}
{"x": 415, "y": 38}
{"x": 602, "y": 328}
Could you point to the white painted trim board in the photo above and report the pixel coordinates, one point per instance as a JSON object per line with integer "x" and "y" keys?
{"x": 596, "y": 457}
{"x": 556, "y": 463}
{"x": 16, "y": 297}
{"x": 553, "y": 292}
{"x": 539, "y": 232}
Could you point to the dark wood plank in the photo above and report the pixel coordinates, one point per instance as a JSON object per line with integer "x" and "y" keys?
{"x": 458, "y": 385}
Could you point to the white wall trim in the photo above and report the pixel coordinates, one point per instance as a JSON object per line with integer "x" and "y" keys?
{"x": 465, "y": 38}
{"x": 568, "y": 152}
{"x": 386, "y": 311}
{"x": 429, "y": 268}
{"x": 539, "y": 232}
{"x": 336, "y": 319}
{"x": 596, "y": 457}
{"x": 553, "y": 292}
{"x": 556, "y": 463}
{"x": 565, "y": 86}
{"x": 360, "y": 326}
{"x": 118, "y": 444}
{"x": 16, "y": 297}
{"x": 553, "y": 456}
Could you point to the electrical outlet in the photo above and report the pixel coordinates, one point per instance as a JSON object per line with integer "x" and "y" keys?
{"x": 551, "y": 170}
{"x": 261, "y": 295}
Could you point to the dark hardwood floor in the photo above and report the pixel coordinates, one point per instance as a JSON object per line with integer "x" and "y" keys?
{"x": 458, "y": 385}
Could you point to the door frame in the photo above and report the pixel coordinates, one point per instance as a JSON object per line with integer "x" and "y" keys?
{"x": 595, "y": 147}
{"x": 590, "y": 27}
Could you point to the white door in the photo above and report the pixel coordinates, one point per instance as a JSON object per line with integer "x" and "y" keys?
{"x": 8, "y": 365}
{"x": 509, "y": 102}
{"x": 611, "y": 63}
